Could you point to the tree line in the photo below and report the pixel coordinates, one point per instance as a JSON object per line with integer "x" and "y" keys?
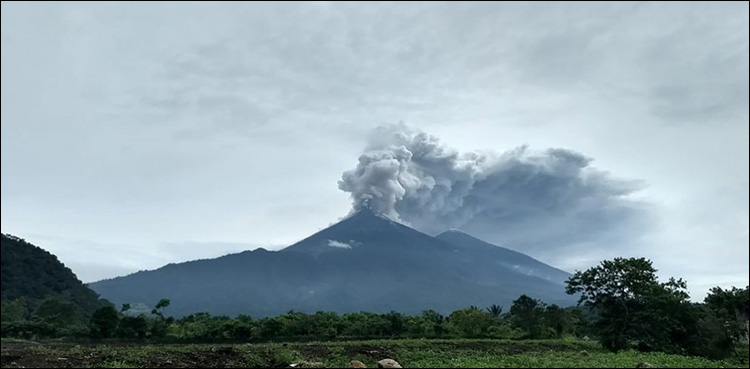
{"x": 622, "y": 304}
{"x": 527, "y": 318}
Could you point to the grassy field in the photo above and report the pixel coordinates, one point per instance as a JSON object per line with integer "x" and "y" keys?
{"x": 410, "y": 353}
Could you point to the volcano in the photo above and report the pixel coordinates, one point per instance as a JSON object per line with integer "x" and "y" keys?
{"x": 365, "y": 262}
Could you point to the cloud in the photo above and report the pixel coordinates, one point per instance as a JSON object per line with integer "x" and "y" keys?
{"x": 524, "y": 199}
{"x": 342, "y": 245}
{"x": 147, "y": 118}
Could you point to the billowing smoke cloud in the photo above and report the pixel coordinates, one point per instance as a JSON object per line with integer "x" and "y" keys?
{"x": 521, "y": 198}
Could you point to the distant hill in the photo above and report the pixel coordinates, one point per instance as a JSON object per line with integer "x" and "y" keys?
{"x": 365, "y": 262}
{"x": 35, "y": 274}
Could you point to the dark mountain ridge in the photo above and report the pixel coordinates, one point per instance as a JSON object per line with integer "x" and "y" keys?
{"x": 34, "y": 274}
{"x": 364, "y": 262}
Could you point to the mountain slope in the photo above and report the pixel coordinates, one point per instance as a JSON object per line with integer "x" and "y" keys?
{"x": 364, "y": 262}
{"x": 35, "y": 274}
{"x": 506, "y": 257}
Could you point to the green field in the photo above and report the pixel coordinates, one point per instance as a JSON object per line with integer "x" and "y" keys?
{"x": 410, "y": 353}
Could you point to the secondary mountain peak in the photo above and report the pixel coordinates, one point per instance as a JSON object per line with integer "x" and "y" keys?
{"x": 509, "y": 258}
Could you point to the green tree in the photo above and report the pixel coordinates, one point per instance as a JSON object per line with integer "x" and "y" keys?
{"x": 325, "y": 324}
{"x": 244, "y": 327}
{"x": 495, "y": 311}
{"x": 526, "y": 314}
{"x": 159, "y": 308}
{"x": 396, "y": 323}
{"x": 712, "y": 337}
{"x": 14, "y": 310}
{"x": 583, "y": 320}
{"x": 732, "y": 306}
{"x": 104, "y": 322}
{"x": 133, "y": 327}
{"x": 433, "y": 323}
{"x": 470, "y": 322}
{"x": 158, "y": 327}
{"x": 162, "y": 303}
{"x": 365, "y": 324}
{"x": 634, "y": 308}
{"x": 559, "y": 319}
{"x": 270, "y": 328}
{"x": 58, "y": 312}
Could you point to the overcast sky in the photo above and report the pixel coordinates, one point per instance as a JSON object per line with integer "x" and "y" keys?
{"x": 134, "y": 135}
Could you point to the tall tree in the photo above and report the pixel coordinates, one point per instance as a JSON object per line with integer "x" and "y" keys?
{"x": 732, "y": 306}
{"x": 559, "y": 319}
{"x": 14, "y": 310}
{"x": 158, "y": 310}
{"x": 526, "y": 314}
{"x": 470, "y": 323}
{"x": 495, "y": 311}
{"x": 634, "y": 306}
{"x": 58, "y": 311}
{"x": 104, "y": 322}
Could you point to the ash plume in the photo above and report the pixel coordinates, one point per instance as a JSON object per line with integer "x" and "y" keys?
{"x": 522, "y": 198}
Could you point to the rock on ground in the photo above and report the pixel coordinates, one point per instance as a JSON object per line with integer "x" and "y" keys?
{"x": 388, "y": 363}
